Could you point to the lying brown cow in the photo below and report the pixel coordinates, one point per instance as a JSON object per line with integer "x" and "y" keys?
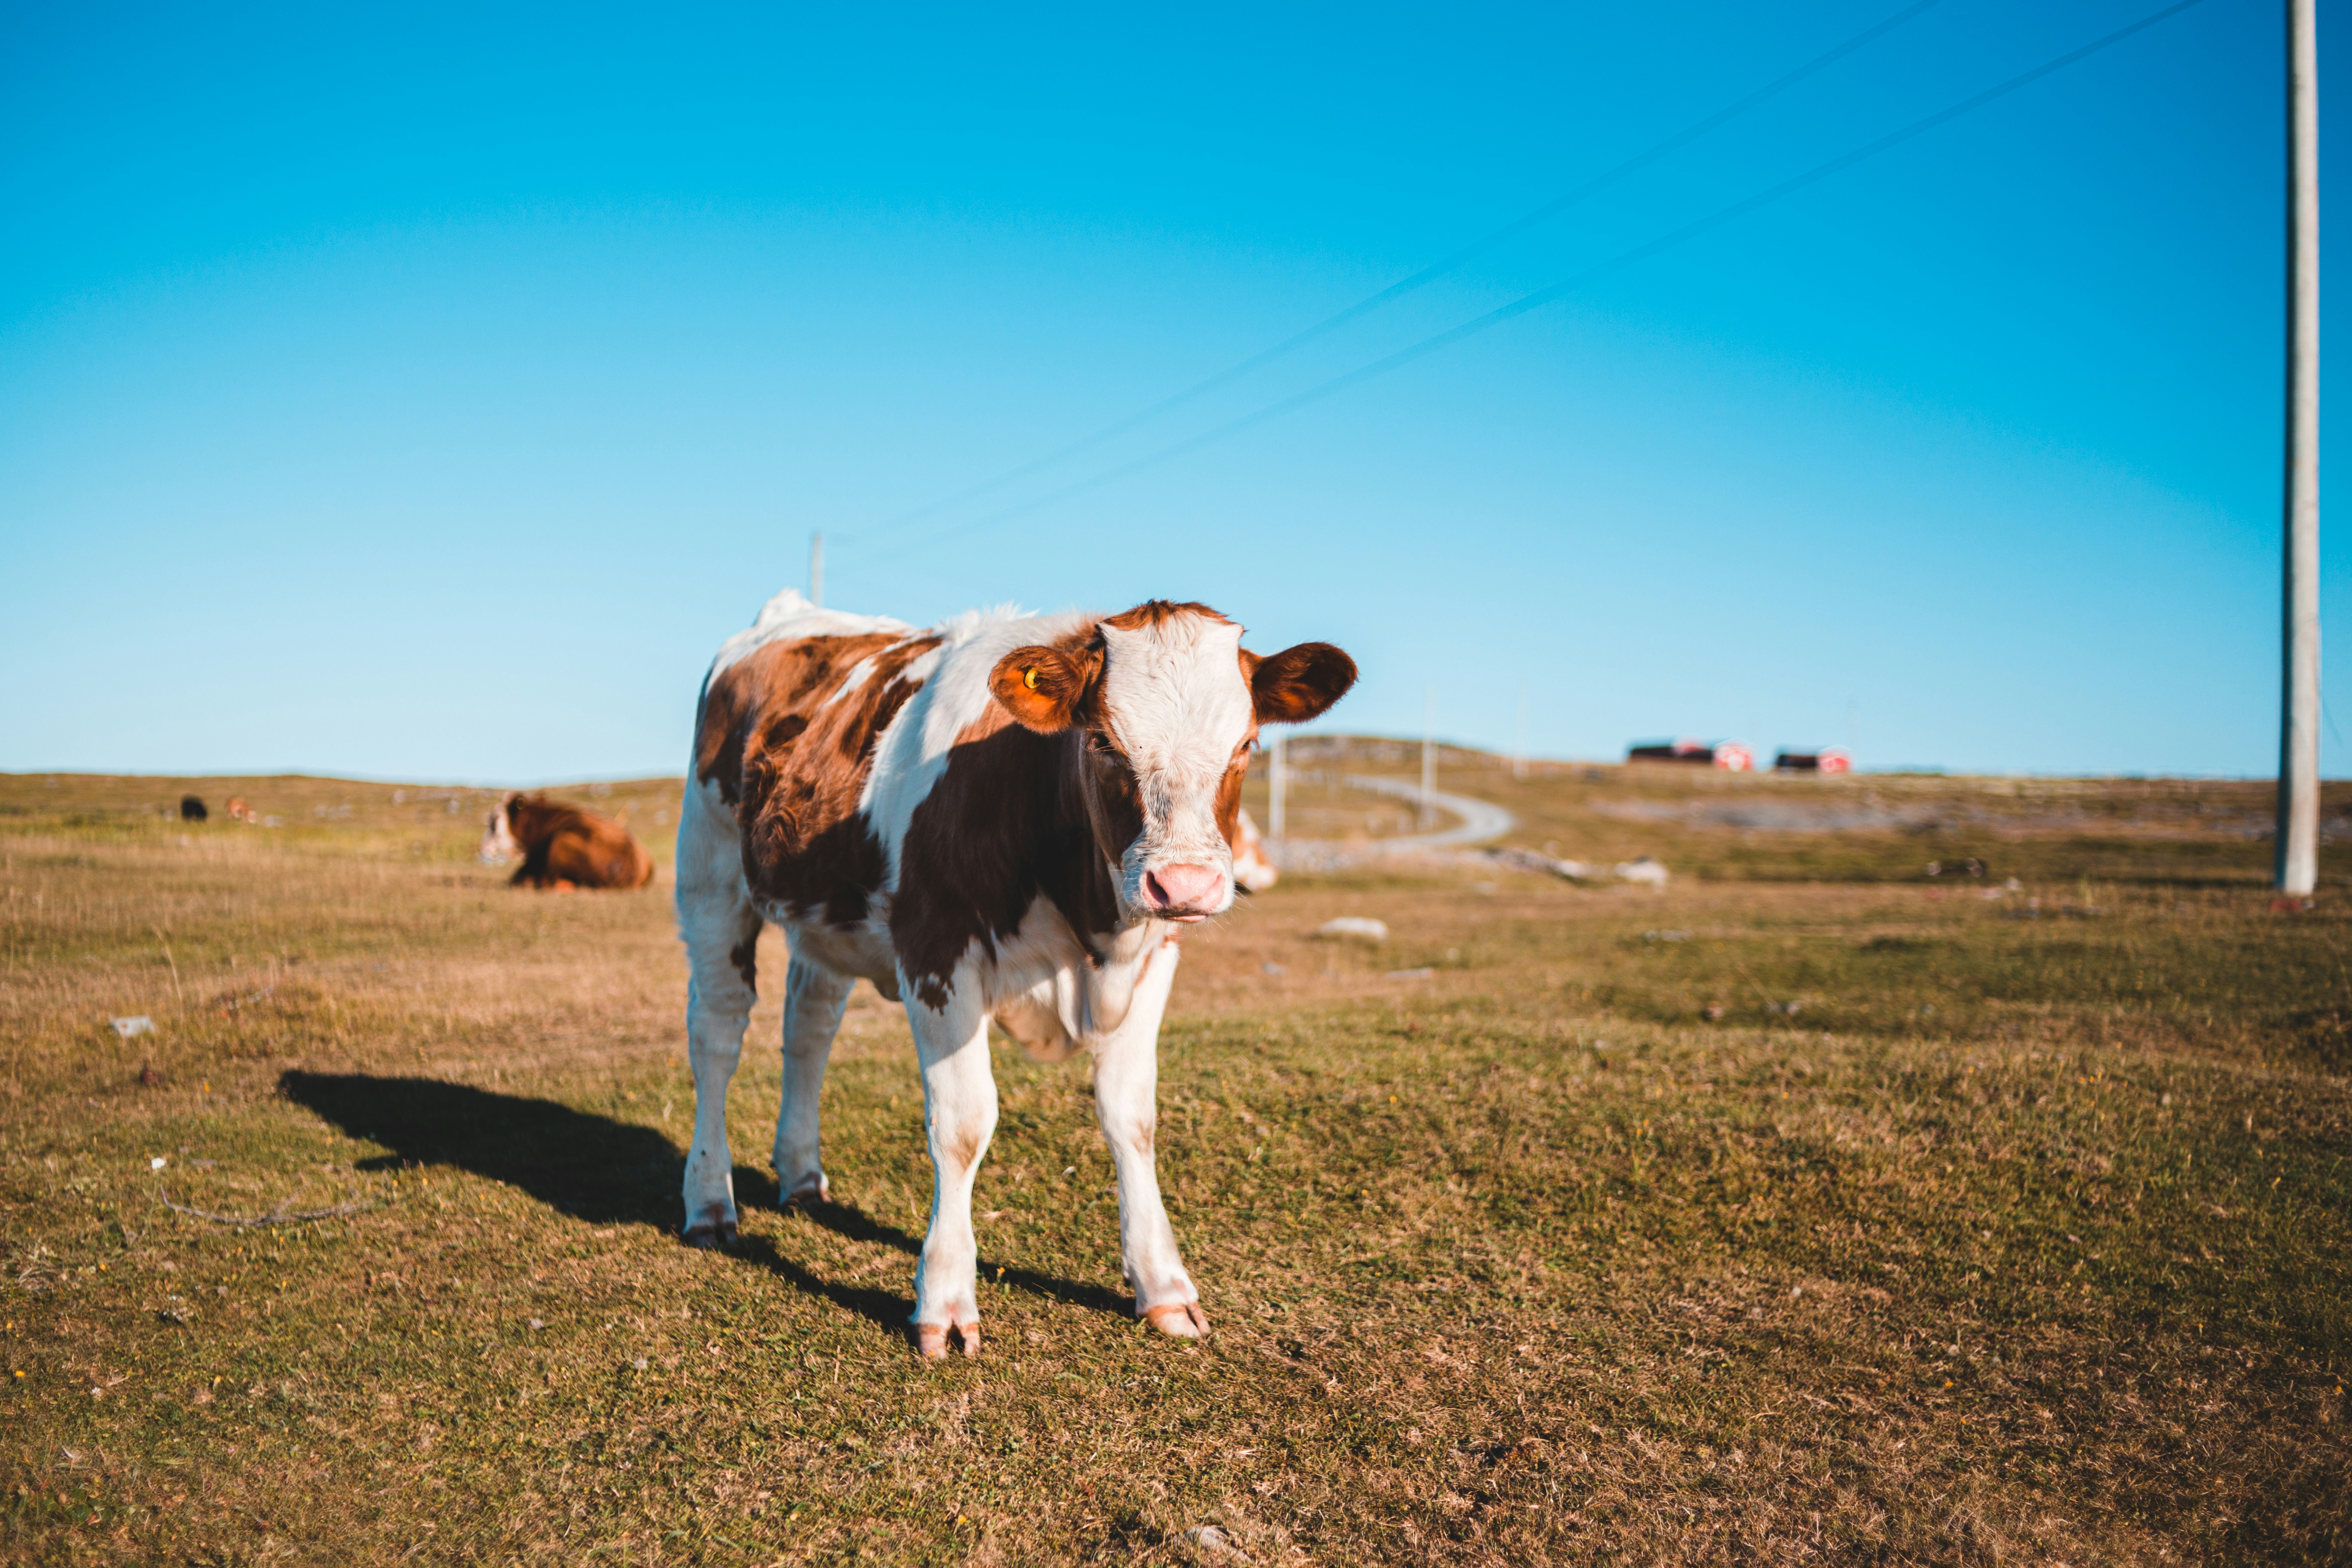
{"x": 562, "y": 846}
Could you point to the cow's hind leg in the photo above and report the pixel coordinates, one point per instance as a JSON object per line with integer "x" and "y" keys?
{"x": 1127, "y": 1089}
{"x": 814, "y": 998}
{"x": 958, "y": 1119}
{"x": 722, "y": 934}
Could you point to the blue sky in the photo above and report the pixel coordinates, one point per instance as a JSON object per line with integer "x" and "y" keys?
{"x": 421, "y": 394}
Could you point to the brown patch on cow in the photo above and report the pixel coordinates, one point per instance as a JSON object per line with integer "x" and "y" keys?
{"x": 790, "y": 750}
{"x": 718, "y": 737}
{"x": 961, "y": 1144}
{"x": 1114, "y": 806}
{"x": 1159, "y": 612}
{"x": 745, "y": 956}
{"x": 777, "y": 681}
{"x": 1229, "y": 794}
{"x": 1299, "y": 683}
{"x": 565, "y": 847}
{"x": 1015, "y": 816}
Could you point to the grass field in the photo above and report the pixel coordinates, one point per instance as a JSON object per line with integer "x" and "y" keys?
{"x": 1810, "y": 1210}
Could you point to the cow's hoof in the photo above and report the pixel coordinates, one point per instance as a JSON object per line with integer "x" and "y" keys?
{"x": 1185, "y": 1321}
{"x": 711, "y": 1234}
{"x": 807, "y": 1192}
{"x": 931, "y": 1339}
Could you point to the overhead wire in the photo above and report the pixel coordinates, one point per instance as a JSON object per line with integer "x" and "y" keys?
{"x": 1426, "y": 276}
{"x": 1551, "y": 292}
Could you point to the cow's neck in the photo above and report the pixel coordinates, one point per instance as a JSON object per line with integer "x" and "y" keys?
{"x": 1083, "y": 877}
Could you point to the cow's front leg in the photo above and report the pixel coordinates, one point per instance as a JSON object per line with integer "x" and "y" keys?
{"x": 1126, "y": 1088}
{"x": 814, "y": 998}
{"x": 958, "y": 1119}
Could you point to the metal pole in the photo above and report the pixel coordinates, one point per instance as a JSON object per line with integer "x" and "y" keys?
{"x": 1275, "y": 788}
{"x": 2298, "y": 786}
{"x": 817, "y": 568}
{"x": 1429, "y": 758}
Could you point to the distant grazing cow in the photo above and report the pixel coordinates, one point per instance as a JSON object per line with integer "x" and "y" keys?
{"x": 1252, "y": 869}
{"x": 192, "y": 808}
{"x": 1006, "y": 816}
{"x": 563, "y": 848}
{"x": 238, "y": 811}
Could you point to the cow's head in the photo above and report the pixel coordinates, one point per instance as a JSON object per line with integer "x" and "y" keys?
{"x": 499, "y": 845}
{"x": 1165, "y": 703}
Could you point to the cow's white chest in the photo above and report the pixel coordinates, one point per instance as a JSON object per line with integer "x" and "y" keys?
{"x": 1043, "y": 972}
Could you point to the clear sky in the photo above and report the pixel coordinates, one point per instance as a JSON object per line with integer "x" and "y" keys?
{"x": 426, "y": 393}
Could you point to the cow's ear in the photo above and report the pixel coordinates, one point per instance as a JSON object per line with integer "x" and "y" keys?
{"x": 1044, "y": 688}
{"x": 1297, "y": 684}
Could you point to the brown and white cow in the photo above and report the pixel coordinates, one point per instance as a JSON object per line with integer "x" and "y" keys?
{"x": 563, "y": 848}
{"x": 1009, "y": 817}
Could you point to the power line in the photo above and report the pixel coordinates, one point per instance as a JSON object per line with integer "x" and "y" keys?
{"x": 1429, "y": 274}
{"x": 1545, "y": 295}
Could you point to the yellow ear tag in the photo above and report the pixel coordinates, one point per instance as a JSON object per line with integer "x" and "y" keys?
{"x": 1029, "y": 677}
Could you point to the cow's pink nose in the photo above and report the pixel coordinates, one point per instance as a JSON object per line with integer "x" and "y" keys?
{"x": 1184, "y": 887}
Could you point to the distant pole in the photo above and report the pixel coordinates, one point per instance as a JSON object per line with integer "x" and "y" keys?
{"x": 1519, "y": 758}
{"x": 1276, "y": 783}
{"x": 816, "y": 567}
{"x": 1429, "y": 758}
{"x": 2298, "y": 785}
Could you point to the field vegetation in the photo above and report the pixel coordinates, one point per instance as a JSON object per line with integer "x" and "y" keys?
{"x": 1812, "y": 1209}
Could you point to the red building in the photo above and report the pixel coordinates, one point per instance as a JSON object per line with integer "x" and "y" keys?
{"x": 1827, "y": 759}
{"x": 1732, "y": 756}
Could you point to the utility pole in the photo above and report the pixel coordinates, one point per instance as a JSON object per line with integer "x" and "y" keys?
{"x": 817, "y": 568}
{"x": 1275, "y": 788}
{"x": 1428, "y": 759}
{"x": 2299, "y": 784}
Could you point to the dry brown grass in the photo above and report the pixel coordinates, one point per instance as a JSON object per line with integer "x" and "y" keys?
{"x": 2024, "y": 1239}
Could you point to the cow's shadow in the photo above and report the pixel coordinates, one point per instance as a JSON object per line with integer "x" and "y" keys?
{"x": 611, "y": 1173}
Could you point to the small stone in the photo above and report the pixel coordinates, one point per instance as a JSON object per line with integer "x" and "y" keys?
{"x": 1209, "y": 1538}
